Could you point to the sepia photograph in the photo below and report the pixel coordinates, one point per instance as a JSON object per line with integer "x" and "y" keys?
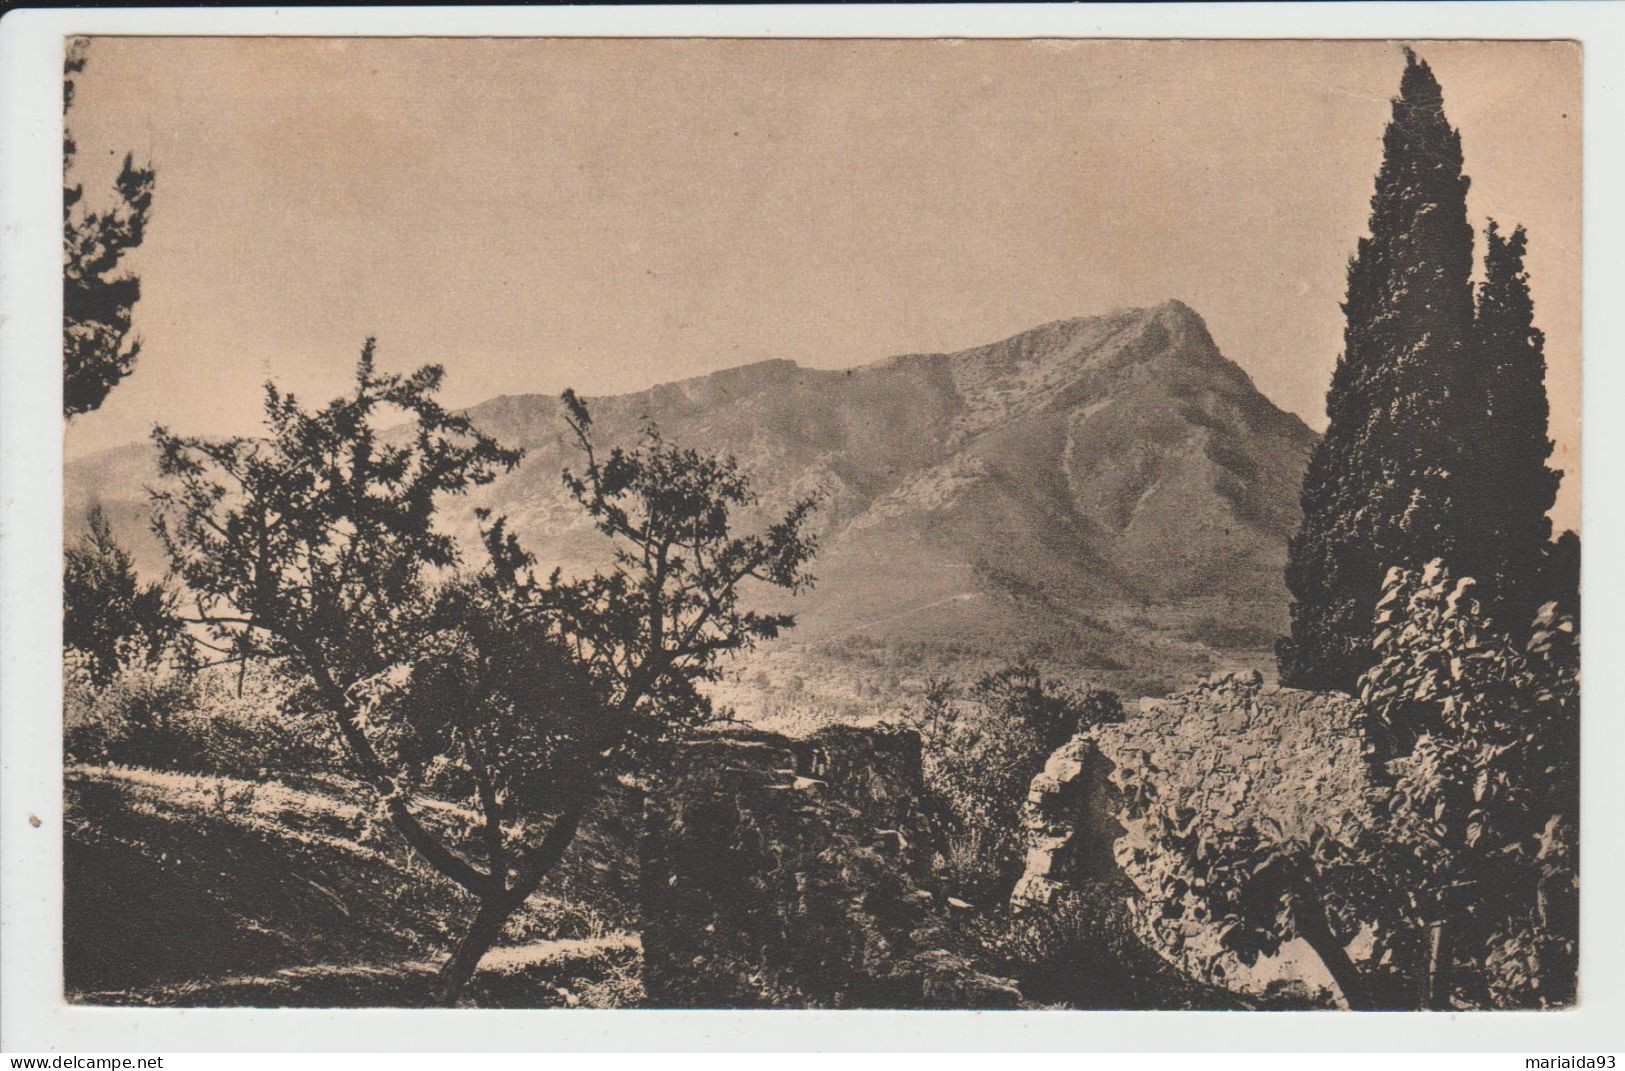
{"x": 821, "y": 524}
{"x": 812, "y": 524}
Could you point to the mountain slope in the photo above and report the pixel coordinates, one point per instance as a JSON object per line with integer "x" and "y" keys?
{"x": 1102, "y": 491}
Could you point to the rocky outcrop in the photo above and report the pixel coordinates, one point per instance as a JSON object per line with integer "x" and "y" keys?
{"x": 796, "y": 873}
{"x": 1069, "y": 823}
{"x": 1234, "y": 751}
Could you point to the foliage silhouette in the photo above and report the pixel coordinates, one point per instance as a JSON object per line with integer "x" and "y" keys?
{"x": 1378, "y": 490}
{"x": 1437, "y": 438}
{"x": 1504, "y": 522}
{"x": 97, "y": 298}
{"x": 110, "y": 619}
{"x": 315, "y": 548}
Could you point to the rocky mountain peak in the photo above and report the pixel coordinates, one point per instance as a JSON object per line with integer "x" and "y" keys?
{"x": 1031, "y": 490}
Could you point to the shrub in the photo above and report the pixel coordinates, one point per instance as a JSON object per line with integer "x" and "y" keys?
{"x": 247, "y": 725}
{"x": 1250, "y": 888}
{"x": 1081, "y": 951}
{"x": 110, "y": 619}
{"x": 980, "y": 755}
{"x": 199, "y": 722}
{"x": 133, "y": 719}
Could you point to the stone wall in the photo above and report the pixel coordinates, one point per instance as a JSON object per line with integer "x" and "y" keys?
{"x": 1236, "y": 752}
{"x": 796, "y": 873}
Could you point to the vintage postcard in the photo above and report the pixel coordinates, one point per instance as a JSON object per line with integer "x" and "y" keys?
{"x": 725, "y": 523}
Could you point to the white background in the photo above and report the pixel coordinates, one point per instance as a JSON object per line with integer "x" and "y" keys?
{"x": 33, "y": 1017}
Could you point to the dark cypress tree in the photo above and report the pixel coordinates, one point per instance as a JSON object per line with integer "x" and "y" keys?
{"x": 97, "y": 298}
{"x": 1560, "y": 575}
{"x": 1505, "y": 526}
{"x": 1379, "y": 484}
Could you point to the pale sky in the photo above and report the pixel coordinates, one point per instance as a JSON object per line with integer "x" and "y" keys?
{"x": 603, "y": 214}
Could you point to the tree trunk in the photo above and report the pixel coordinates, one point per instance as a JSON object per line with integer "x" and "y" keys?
{"x": 1310, "y": 916}
{"x": 487, "y": 927}
{"x": 496, "y": 907}
{"x": 1436, "y": 980}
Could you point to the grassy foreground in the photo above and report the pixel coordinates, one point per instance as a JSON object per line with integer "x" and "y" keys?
{"x": 195, "y": 890}
{"x": 183, "y": 889}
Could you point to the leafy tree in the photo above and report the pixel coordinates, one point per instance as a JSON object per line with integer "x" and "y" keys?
{"x": 1503, "y": 520}
{"x": 1257, "y": 888}
{"x": 110, "y": 619}
{"x": 1468, "y": 866}
{"x": 1380, "y": 485}
{"x": 1052, "y": 711}
{"x": 315, "y": 548}
{"x": 1482, "y": 820}
{"x": 97, "y": 298}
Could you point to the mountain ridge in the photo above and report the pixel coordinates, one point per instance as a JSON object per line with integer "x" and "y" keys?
{"x": 1092, "y": 489}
